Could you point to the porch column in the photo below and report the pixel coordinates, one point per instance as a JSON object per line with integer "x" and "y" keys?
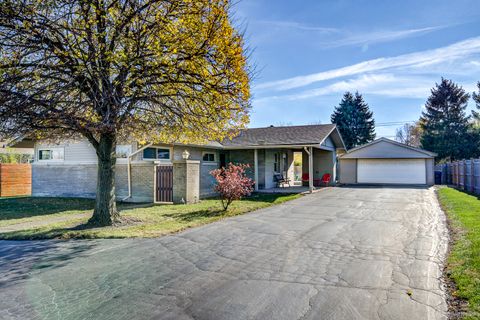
{"x": 310, "y": 169}
{"x": 255, "y": 167}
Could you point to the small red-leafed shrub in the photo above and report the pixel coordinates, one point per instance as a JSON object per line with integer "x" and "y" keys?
{"x": 232, "y": 183}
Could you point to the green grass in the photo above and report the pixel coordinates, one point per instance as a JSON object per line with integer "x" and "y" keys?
{"x": 463, "y": 211}
{"x": 146, "y": 221}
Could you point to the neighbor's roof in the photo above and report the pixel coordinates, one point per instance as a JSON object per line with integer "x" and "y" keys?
{"x": 290, "y": 135}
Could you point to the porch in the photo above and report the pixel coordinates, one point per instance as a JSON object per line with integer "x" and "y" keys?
{"x": 302, "y": 166}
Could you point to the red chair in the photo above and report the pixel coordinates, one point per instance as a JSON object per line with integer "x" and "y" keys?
{"x": 326, "y": 179}
{"x": 305, "y": 177}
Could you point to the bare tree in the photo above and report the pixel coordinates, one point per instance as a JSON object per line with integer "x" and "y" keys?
{"x": 409, "y": 134}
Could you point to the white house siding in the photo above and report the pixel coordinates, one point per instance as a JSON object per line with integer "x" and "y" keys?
{"x": 74, "y": 152}
{"x": 269, "y": 166}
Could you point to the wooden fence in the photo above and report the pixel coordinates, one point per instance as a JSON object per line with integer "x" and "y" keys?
{"x": 15, "y": 179}
{"x": 463, "y": 174}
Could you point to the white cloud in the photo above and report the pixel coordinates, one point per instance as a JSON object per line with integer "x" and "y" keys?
{"x": 366, "y": 39}
{"x": 458, "y": 51}
{"x": 292, "y": 25}
{"x": 383, "y": 84}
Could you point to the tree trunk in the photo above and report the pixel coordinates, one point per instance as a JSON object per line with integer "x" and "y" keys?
{"x": 105, "y": 212}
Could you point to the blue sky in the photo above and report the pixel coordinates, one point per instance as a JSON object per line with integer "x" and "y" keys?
{"x": 308, "y": 53}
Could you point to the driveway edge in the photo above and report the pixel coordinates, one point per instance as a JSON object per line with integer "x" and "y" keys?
{"x": 457, "y": 307}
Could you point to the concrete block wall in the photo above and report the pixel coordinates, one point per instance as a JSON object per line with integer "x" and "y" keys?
{"x": 66, "y": 180}
{"x": 59, "y": 180}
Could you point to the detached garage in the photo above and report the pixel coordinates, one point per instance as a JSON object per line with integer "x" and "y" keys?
{"x": 385, "y": 161}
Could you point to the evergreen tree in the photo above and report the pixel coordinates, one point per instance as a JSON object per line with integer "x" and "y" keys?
{"x": 446, "y": 127}
{"x": 476, "y": 98}
{"x": 354, "y": 120}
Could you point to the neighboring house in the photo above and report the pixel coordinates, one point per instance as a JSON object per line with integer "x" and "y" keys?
{"x": 178, "y": 172}
{"x": 21, "y": 149}
{"x": 385, "y": 161}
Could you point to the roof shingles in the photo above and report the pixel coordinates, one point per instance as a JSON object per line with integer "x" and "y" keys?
{"x": 291, "y": 135}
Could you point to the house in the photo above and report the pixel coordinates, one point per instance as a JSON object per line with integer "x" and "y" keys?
{"x": 385, "y": 161}
{"x": 179, "y": 172}
{"x": 20, "y": 149}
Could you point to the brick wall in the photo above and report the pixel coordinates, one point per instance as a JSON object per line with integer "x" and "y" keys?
{"x": 15, "y": 180}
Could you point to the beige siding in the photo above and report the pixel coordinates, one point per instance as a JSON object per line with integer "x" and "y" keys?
{"x": 348, "y": 171}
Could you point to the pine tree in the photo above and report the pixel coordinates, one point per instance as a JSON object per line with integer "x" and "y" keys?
{"x": 354, "y": 120}
{"x": 476, "y": 98}
{"x": 446, "y": 126}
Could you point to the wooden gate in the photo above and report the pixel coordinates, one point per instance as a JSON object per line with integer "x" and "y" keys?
{"x": 164, "y": 183}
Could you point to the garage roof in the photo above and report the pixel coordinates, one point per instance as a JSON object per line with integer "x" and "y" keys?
{"x": 384, "y": 148}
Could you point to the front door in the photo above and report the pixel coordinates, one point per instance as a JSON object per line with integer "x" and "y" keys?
{"x": 223, "y": 160}
{"x": 164, "y": 183}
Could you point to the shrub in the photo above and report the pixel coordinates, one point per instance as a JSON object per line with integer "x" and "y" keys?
{"x": 232, "y": 183}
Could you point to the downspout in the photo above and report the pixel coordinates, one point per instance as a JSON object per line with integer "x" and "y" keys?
{"x": 129, "y": 166}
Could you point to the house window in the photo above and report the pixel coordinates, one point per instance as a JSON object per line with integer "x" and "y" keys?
{"x": 156, "y": 154}
{"x": 122, "y": 151}
{"x": 276, "y": 163}
{"x": 51, "y": 154}
{"x": 208, "y": 157}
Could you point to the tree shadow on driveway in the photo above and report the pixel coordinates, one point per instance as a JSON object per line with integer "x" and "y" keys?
{"x": 18, "y": 259}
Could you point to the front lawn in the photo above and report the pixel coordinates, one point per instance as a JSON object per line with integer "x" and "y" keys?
{"x": 143, "y": 220}
{"x": 463, "y": 265}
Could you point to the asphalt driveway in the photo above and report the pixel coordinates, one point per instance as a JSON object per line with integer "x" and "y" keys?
{"x": 342, "y": 253}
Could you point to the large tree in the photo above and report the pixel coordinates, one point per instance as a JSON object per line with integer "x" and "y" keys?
{"x": 446, "y": 126}
{"x": 106, "y": 70}
{"x": 354, "y": 120}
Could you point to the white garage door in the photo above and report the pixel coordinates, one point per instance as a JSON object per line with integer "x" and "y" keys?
{"x": 402, "y": 171}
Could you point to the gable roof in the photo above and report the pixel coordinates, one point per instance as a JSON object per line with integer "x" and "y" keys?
{"x": 410, "y": 152}
{"x": 288, "y": 135}
{"x": 298, "y": 136}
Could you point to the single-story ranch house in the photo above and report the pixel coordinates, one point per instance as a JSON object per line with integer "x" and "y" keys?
{"x": 178, "y": 172}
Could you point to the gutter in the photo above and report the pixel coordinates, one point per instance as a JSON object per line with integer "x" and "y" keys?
{"x": 129, "y": 169}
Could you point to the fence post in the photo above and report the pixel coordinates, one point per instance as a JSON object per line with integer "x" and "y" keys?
{"x": 472, "y": 189}
{"x": 458, "y": 174}
{"x": 455, "y": 167}
{"x": 474, "y": 178}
